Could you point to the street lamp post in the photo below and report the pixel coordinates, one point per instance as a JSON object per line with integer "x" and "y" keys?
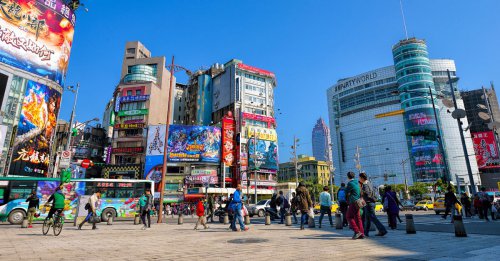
{"x": 464, "y": 146}
{"x": 403, "y": 162}
{"x": 75, "y": 91}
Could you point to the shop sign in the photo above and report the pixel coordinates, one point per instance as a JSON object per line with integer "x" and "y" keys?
{"x": 128, "y": 150}
{"x": 130, "y": 126}
{"x": 211, "y": 172}
{"x": 133, "y": 112}
{"x": 134, "y": 98}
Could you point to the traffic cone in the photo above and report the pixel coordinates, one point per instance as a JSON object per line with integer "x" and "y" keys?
{"x": 410, "y": 225}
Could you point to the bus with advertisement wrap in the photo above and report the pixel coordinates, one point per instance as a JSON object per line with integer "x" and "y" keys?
{"x": 118, "y": 199}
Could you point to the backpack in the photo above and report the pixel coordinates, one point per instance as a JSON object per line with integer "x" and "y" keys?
{"x": 341, "y": 195}
{"x": 371, "y": 192}
{"x": 142, "y": 201}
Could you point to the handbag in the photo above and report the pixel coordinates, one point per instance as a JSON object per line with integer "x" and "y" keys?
{"x": 87, "y": 206}
{"x": 361, "y": 203}
{"x": 94, "y": 219}
{"x": 311, "y": 213}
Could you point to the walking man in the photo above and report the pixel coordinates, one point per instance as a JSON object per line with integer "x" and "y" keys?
{"x": 33, "y": 204}
{"x": 284, "y": 206}
{"x": 91, "y": 207}
{"x": 200, "y": 212}
{"x": 236, "y": 206}
{"x": 294, "y": 207}
{"x": 369, "y": 210}
{"x": 325, "y": 201}
{"x": 146, "y": 205}
{"x": 210, "y": 211}
{"x": 450, "y": 200}
{"x": 341, "y": 197}
{"x": 485, "y": 203}
{"x": 353, "y": 193}
{"x": 304, "y": 203}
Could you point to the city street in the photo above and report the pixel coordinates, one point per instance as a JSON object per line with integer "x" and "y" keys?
{"x": 125, "y": 241}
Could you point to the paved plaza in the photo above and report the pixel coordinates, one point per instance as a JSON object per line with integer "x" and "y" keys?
{"x": 125, "y": 241}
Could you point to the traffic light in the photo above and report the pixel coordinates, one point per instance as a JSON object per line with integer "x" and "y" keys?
{"x": 66, "y": 175}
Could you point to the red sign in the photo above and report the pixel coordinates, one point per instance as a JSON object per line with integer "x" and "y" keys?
{"x": 134, "y": 121}
{"x": 129, "y": 126}
{"x": 128, "y": 150}
{"x": 486, "y": 149}
{"x": 228, "y": 144}
{"x": 255, "y": 70}
{"x": 257, "y": 117}
{"x": 86, "y": 163}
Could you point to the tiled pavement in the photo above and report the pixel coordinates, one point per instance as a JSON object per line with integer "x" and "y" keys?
{"x": 124, "y": 241}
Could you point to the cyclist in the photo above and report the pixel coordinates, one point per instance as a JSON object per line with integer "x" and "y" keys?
{"x": 58, "y": 203}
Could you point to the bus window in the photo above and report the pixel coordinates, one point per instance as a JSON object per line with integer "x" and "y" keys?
{"x": 107, "y": 193}
{"x": 89, "y": 188}
{"x": 124, "y": 193}
{"x": 21, "y": 189}
{"x": 139, "y": 189}
{"x": 2, "y": 191}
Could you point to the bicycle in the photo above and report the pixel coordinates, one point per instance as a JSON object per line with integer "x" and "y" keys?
{"x": 57, "y": 223}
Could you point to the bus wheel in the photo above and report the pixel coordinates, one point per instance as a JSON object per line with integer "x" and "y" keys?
{"x": 106, "y": 213}
{"x": 16, "y": 216}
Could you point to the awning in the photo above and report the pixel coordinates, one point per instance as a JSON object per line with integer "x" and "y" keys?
{"x": 193, "y": 197}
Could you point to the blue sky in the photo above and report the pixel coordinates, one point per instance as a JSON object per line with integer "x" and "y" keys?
{"x": 308, "y": 44}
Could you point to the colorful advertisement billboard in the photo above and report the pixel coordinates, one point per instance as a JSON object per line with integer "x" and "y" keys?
{"x": 36, "y": 36}
{"x": 486, "y": 150}
{"x": 427, "y": 160}
{"x": 263, "y": 154}
{"x": 194, "y": 144}
{"x": 31, "y": 149}
{"x": 228, "y": 142}
{"x": 154, "y": 152}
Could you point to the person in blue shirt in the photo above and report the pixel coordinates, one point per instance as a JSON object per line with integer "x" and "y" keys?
{"x": 236, "y": 206}
{"x": 325, "y": 201}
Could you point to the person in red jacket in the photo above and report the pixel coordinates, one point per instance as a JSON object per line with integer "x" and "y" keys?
{"x": 200, "y": 212}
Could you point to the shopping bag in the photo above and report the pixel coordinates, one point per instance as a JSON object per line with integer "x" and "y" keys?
{"x": 311, "y": 213}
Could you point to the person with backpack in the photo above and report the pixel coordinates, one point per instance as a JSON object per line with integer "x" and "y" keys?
{"x": 33, "y": 204}
{"x": 284, "y": 206}
{"x": 200, "y": 212}
{"x": 146, "y": 206}
{"x": 341, "y": 197}
{"x": 368, "y": 194}
{"x": 449, "y": 201}
{"x": 391, "y": 206}
{"x": 236, "y": 206}
{"x": 485, "y": 203}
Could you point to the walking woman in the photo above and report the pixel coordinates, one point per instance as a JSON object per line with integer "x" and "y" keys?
{"x": 391, "y": 205}
{"x": 304, "y": 203}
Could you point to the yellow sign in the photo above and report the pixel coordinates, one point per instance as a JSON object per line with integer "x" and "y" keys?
{"x": 262, "y": 133}
{"x": 498, "y": 184}
{"x": 388, "y": 114}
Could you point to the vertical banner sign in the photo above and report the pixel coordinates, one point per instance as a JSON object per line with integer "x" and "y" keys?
{"x": 154, "y": 152}
{"x": 485, "y": 149}
{"x": 31, "y": 148}
{"x": 228, "y": 144}
{"x": 36, "y": 36}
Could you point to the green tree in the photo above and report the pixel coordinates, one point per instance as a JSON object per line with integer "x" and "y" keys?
{"x": 418, "y": 189}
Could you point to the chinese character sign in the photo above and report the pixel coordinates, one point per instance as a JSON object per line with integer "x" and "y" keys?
{"x": 228, "y": 145}
{"x": 36, "y": 36}
{"x": 31, "y": 149}
{"x": 485, "y": 149}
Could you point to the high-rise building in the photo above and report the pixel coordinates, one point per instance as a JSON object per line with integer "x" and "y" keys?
{"x": 388, "y": 114}
{"x": 321, "y": 141}
{"x": 311, "y": 169}
{"x": 140, "y": 99}
{"x": 482, "y": 110}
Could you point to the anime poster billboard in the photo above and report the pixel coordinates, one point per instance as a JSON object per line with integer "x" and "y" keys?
{"x": 36, "y": 36}
{"x": 31, "y": 149}
{"x": 262, "y": 154}
{"x": 194, "y": 144}
{"x": 485, "y": 149}
{"x": 154, "y": 152}
{"x": 228, "y": 142}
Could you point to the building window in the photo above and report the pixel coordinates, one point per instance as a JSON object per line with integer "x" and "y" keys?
{"x": 137, "y": 92}
{"x": 131, "y": 50}
{"x": 237, "y": 89}
{"x": 129, "y": 93}
{"x": 133, "y": 106}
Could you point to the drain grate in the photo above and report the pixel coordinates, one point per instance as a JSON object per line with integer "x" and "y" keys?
{"x": 247, "y": 241}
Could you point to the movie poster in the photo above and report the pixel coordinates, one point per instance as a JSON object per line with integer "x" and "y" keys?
{"x": 31, "y": 149}
{"x": 194, "y": 144}
{"x": 36, "y": 36}
{"x": 485, "y": 149}
{"x": 154, "y": 153}
{"x": 266, "y": 154}
{"x": 228, "y": 143}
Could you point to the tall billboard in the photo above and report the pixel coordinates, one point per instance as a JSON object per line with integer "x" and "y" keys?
{"x": 262, "y": 154}
{"x": 486, "y": 149}
{"x": 154, "y": 152}
{"x": 427, "y": 160}
{"x": 228, "y": 141}
{"x": 31, "y": 149}
{"x": 36, "y": 36}
{"x": 194, "y": 144}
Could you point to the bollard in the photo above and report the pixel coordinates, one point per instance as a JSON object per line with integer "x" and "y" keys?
{"x": 288, "y": 219}
{"x": 247, "y": 220}
{"x": 24, "y": 224}
{"x": 268, "y": 219}
{"x": 137, "y": 219}
{"x": 310, "y": 223}
{"x": 459, "y": 226}
{"x": 338, "y": 221}
{"x": 110, "y": 220}
{"x": 226, "y": 219}
{"x": 410, "y": 225}
{"x": 180, "y": 220}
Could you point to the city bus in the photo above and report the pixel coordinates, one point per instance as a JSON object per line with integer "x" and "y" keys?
{"x": 119, "y": 196}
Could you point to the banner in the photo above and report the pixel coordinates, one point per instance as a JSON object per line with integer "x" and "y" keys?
{"x": 134, "y": 98}
{"x": 202, "y": 179}
{"x": 265, "y": 152}
{"x": 36, "y": 36}
{"x": 228, "y": 149}
{"x": 133, "y": 112}
{"x": 125, "y": 126}
{"x": 128, "y": 150}
{"x": 194, "y": 144}
{"x": 261, "y": 133}
{"x": 485, "y": 149}
{"x": 31, "y": 148}
{"x": 154, "y": 152}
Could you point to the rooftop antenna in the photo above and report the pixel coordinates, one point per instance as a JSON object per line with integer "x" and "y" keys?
{"x": 404, "y": 19}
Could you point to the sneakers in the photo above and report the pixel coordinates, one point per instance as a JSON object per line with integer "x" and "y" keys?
{"x": 246, "y": 229}
{"x": 381, "y": 234}
{"x": 357, "y": 236}
{"x": 145, "y": 227}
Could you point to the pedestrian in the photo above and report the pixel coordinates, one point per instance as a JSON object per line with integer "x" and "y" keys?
{"x": 210, "y": 208}
{"x": 294, "y": 207}
{"x": 391, "y": 205}
{"x": 478, "y": 208}
{"x": 368, "y": 193}
{"x": 342, "y": 199}
{"x": 200, "y": 212}
{"x": 284, "y": 206}
{"x": 304, "y": 203}
{"x": 465, "y": 200}
{"x": 146, "y": 206}
{"x": 236, "y": 206}
{"x": 91, "y": 207}
{"x": 273, "y": 205}
{"x": 485, "y": 202}
{"x": 325, "y": 201}
{"x": 33, "y": 205}
{"x": 449, "y": 201}
{"x": 353, "y": 194}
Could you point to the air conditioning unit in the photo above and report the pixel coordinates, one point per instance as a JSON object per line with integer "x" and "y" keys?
{"x": 261, "y": 94}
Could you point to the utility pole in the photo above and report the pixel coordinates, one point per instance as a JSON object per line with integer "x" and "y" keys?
{"x": 403, "y": 162}
{"x": 75, "y": 91}
{"x": 255, "y": 161}
{"x": 295, "y": 160}
{"x": 332, "y": 169}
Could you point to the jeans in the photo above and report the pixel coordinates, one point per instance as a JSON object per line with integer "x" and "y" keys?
{"x": 354, "y": 218}
{"x": 87, "y": 218}
{"x": 327, "y": 210}
{"x": 145, "y": 213}
{"x": 31, "y": 214}
{"x": 304, "y": 218}
{"x": 449, "y": 208}
{"x": 282, "y": 214}
{"x": 369, "y": 214}
{"x": 237, "y": 216}
{"x": 391, "y": 217}
{"x": 294, "y": 214}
